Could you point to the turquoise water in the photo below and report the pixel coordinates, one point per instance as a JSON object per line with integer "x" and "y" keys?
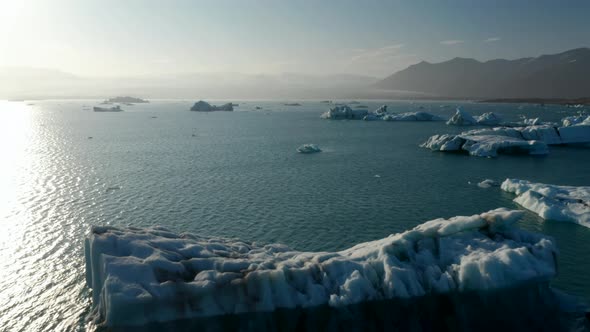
{"x": 237, "y": 175}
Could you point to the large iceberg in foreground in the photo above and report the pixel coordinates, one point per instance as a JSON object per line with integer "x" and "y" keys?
{"x": 562, "y": 203}
{"x": 139, "y": 275}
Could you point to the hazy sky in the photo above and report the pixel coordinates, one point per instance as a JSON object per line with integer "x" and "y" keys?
{"x": 145, "y": 37}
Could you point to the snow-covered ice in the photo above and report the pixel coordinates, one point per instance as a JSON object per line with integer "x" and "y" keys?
{"x": 308, "y": 148}
{"x": 140, "y": 275}
{"x": 562, "y": 203}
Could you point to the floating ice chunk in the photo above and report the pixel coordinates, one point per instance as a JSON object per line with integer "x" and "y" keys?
{"x": 490, "y": 141}
{"x": 490, "y": 146}
{"x": 141, "y": 275}
{"x": 487, "y": 183}
{"x": 108, "y": 109}
{"x": 489, "y": 119}
{"x": 562, "y": 203}
{"x": 485, "y": 145}
{"x": 344, "y": 112}
{"x": 308, "y": 148}
{"x": 412, "y": 116}
{"x": 203, "y": 106}
{"x": 461, "y": 118}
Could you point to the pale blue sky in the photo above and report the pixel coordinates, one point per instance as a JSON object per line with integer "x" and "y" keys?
{"x": 146, "y": 37}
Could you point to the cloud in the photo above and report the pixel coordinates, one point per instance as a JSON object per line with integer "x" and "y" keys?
{"x": 452, "y": 42}
{"x": 492, "y": 39}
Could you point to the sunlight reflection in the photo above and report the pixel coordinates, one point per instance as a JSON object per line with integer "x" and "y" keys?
{"x": 15, "y": 136}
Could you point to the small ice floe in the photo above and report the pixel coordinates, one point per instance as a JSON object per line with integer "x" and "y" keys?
{"x": 108, "y": 109}
{"x": 308, "y": 148}
{"x": 561, "y": 203}
{"x": 487, "y": 183}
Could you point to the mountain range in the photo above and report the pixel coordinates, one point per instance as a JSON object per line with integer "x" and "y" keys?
{"x": 563, "y": 75}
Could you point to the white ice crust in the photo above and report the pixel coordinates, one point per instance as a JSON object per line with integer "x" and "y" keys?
{"x": 562, "y": 203}
{"x": 140, "y": 275}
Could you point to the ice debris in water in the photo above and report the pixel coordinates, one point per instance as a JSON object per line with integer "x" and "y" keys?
{"x": 308, "y": 148}
{"x": 140, "y": 275}
{"x": 561, "y": 203}
{"x": 487, "y": 183}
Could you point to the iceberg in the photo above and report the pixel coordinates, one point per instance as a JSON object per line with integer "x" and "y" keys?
{"x": 342, "y": 112}
{"x": 108, "y": 109}
{"x": 489, "y": 119}
{"x": 561, "y": 203}
{"x": 203, "y": 106}
{"x": 412, "y": 116}
{"x": 140, "y": 275}
{"x": 485, "y": 145}
{"x": 461, "y": 118}
{"x": 489, "y": 141}
{"x": 308, "y": 148}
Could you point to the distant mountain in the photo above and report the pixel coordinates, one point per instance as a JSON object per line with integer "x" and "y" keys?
{"x": 563, "y": 75}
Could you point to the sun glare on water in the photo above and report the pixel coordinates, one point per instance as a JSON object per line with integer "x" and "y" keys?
{"x": 15, "y": 135}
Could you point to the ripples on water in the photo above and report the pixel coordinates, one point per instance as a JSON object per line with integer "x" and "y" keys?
{"x": 237, "y": 175}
